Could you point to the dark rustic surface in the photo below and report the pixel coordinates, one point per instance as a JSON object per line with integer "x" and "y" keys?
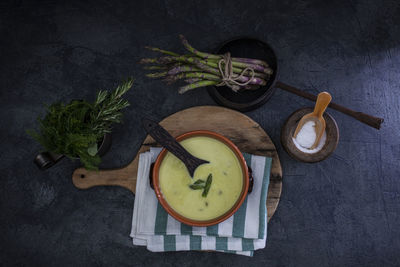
{"x": 343, "y": 211}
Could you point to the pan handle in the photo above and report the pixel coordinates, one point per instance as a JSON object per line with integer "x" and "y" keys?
{"x": 362, "y": 117}
{"x": 45, "y": 160}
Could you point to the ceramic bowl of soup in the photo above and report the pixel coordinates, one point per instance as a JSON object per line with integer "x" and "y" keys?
{"x": 183, "y": 196}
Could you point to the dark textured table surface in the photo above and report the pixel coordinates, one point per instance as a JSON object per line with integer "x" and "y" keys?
{"x": 344, "y": 211}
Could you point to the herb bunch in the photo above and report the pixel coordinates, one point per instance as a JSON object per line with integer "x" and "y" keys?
{"x": 75, "y": 129}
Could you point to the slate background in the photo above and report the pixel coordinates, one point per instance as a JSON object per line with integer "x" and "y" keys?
{"x": 343, "y": 211}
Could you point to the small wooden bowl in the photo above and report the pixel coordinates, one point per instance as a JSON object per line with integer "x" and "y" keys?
{"x": 332, "y": 137}
{"x": 221, "y": 218}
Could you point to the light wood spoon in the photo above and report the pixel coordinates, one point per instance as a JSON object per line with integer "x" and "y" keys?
{"x": 322, "y": 103}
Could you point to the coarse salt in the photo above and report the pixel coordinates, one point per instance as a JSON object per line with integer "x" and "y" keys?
{"x": 306, "y": 138}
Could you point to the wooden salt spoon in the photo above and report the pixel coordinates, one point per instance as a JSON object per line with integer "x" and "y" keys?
{"x": 322, "y": 103}
{"x": 161, "y": 136}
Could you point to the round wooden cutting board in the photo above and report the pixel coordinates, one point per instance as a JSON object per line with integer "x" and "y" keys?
{"x": 247, "y": 135}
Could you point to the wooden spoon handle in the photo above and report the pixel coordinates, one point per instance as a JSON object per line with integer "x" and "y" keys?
{"x": 322, "y": 103}
{"x": 84, "y": 179}
{"x": 362, "y": 117}
{"x": 161, "y": 136}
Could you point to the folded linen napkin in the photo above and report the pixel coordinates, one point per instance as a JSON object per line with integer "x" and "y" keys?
{"x": 242, "y": 233}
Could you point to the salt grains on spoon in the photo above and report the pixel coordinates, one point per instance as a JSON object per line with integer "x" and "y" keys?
{"x": 310, "y": 131}
{"x": 306, "y": 138}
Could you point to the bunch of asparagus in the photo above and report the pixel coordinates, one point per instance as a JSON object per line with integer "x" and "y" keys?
{"x": 200, "y": 69}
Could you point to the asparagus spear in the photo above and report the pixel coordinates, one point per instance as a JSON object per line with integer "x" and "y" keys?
{"x": 157, "y": 74}
{"x": 206, "y": 68}
{"x": 251, "y": 61}
{"x": 259, "y": 68}
{"x": 210, "y": 77}
{"x": 199, "y": 75}
{"x": 184, "y": 68}
{"x": 254, "y": 80}
{"x": 198, "y": 62}
{"x": 192, "y": 80}
{"x": 156, "y": 67}
{"x": 195, "y": 51}
{"x": 237, "y": 62}
{"x": 214, "y": 65}
{"x": 192, "y": 86}
{"x": 170, "y": 78}
{"x": 155, "y": 49}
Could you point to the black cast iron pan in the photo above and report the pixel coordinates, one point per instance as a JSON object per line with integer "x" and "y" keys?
{"x": 246, "y": 100}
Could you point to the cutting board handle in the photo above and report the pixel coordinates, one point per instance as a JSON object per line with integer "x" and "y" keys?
{"x": 84, "y": 179}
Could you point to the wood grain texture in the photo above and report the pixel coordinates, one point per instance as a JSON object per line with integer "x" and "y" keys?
{"x": 247, "y": 135}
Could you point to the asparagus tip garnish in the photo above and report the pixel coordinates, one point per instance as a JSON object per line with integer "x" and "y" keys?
{"x": 207, "y": 186}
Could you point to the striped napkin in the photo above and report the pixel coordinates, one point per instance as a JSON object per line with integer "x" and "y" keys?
{"x": 242, "y": 233}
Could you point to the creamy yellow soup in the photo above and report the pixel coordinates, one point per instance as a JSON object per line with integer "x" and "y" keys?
{"x": 226, "y": 186}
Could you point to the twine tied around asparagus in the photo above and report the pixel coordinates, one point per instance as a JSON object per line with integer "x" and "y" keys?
{"x": 228, "y": 77}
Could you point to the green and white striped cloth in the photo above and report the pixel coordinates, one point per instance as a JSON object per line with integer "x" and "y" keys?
{"x": 242, "y": 233}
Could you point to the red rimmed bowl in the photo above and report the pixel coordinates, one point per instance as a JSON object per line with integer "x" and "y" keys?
{"x": 235, "y": 206}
